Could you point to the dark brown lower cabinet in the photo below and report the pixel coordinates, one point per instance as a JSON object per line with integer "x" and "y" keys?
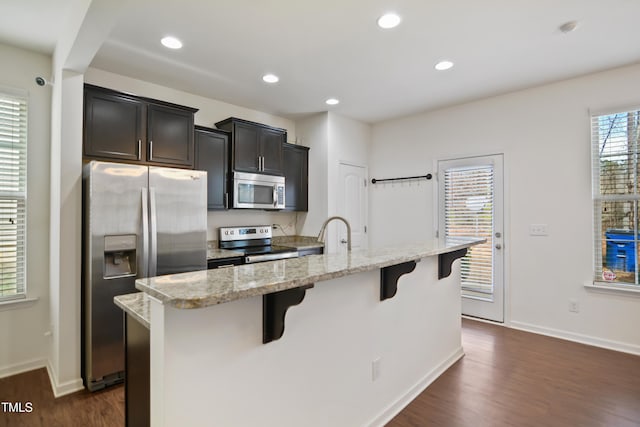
{"x": 137, "y": 373}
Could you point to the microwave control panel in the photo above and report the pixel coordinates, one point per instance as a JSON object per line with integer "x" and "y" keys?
{"x": 280, "y": 196}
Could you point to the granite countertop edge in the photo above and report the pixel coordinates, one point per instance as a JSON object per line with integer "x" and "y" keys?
{"x": 211, "y": 287}
{"x": 137, "y": 305}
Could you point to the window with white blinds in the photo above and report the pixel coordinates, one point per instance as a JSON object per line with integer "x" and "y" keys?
{"x": 468, "y": 211}
{"x": 13, "y": 195}
{"x": 615, "y": 171}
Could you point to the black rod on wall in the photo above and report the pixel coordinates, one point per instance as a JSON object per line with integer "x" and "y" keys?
{"x": 427, "y": 176}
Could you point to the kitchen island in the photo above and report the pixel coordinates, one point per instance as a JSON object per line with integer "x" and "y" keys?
{"x": 340, "y": 339}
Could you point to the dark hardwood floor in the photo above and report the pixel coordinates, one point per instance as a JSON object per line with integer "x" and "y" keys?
{"x": 507, "y": 378}
{"x": 515, "y": 378}
{"x": 104, "y": 408}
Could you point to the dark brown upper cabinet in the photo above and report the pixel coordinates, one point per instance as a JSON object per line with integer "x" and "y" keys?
{"x": 296, "y": 175}
{"x": 255, "y": 147}
{"x": 170, "y": 135}
{"x": 211, "y": 156}
{"x": 113, "y": 125}
{"x": 128, "y": 128}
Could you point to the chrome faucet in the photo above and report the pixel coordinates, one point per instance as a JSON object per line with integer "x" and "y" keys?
{"x": 324, "y": 226}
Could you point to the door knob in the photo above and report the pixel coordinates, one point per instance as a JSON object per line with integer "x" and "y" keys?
{"x": 498, "y": 246}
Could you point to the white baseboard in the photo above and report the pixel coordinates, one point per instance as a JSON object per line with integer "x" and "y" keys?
{"x": 580, "y": 338}
{"x": 478, "y": 319}
{"x": 21, "y": 367}
{"x": 394, "y": 409}
{"x": 61, "y": 389}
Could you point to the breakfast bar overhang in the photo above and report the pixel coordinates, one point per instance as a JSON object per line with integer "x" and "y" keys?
{"x": 309, "y": 341}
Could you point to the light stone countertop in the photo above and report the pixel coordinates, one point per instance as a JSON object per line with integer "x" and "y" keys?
{"x": 298, "y": 242}
{"x": 213, "y": 252}
{"x": 137, "y": 305}
{"x": 209, "y": 287}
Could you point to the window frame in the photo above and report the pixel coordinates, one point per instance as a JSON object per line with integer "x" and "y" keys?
{"x": 599, "y": 240}
{"x": 19, "y": 195}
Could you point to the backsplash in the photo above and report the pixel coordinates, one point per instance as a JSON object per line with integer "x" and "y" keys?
{"x": 239, "y": 217}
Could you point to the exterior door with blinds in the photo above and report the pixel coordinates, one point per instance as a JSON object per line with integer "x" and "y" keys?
{"x": 470, "y": 203}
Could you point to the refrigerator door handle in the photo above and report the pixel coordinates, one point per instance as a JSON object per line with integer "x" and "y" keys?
{"x": 153, "y": 236}
{"x": 145, "y": 234}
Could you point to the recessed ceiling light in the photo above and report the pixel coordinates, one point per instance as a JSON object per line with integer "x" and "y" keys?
{"x": 270, "y": 78}
{"x": 567, "y": 27}
{"x": 388, "y": 20}
{"x": 443, "y": 65}
{"x": 332, "y": 101}
{"x": 171, "y": 42}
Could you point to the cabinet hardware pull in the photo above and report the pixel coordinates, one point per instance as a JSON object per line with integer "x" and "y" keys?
{"x": 150, "y": 150}
{"x": 139, "y": 149}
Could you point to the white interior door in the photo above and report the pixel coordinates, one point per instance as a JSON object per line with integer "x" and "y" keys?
{"x": 470, "y": 203}
{"x": 352, "y": 205}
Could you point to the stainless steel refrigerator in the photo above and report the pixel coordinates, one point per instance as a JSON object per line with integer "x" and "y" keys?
{"x": 139, "y": 221}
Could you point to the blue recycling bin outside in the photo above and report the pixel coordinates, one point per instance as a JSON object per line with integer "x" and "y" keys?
{"x": 621, "y": 250}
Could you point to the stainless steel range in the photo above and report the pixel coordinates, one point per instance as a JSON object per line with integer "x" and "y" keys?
{"x": 255, "y": 243}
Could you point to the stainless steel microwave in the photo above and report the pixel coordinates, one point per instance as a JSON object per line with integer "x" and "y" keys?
{"x": 258, "y": 191}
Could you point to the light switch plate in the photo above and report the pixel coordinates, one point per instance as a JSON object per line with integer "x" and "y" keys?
{"x": 538, "y": 230}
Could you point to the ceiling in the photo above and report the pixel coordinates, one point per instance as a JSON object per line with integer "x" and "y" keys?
{"x": 331, "y": 48}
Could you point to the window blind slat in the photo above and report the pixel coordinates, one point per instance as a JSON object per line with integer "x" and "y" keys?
{"x": 468, "y": 205}
{"x": 13, "y": 185}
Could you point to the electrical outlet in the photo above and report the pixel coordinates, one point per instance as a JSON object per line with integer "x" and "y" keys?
{"x": 538, "y": 230}
{"x": 375, "y": 369}
{"x": 574, "y": 307}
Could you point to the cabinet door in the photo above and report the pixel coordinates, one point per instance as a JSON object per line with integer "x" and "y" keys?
{"x": 296, "y": 175}
{"x": 271, "y": 150}
{"x": 211, "y": 156}
{"x": 112, "y": 126}
{"x": 246, "y": 140}
{"x": 169, "y": 135}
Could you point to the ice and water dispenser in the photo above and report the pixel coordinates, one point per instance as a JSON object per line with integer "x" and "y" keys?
{"x": 120, "y": 256}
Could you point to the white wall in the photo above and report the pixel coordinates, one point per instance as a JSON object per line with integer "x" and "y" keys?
{"x": 24, "y": 345}
{"x": 333, "y": 139}
{"x": 313, "y": 132}
{"x": 210, "y": 111}
{"x": 544, "y": 135}
{"x": 349, "y": 142}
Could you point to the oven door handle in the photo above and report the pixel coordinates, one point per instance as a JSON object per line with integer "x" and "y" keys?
{"x": 250, "y": 259}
